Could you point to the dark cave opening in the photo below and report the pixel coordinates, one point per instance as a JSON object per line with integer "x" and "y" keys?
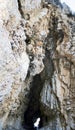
{"x": 33, "y": 111}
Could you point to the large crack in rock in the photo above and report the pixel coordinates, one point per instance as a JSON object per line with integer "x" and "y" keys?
{"x": 33, "y": 110}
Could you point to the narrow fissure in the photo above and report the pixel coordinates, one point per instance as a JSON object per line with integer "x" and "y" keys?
{"x": 33, "y": 111}
{"x": 20, "y": 9}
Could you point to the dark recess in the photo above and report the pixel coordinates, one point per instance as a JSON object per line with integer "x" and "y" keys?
{"x": 20, "y": 9}
{"x": 34, "y": 109}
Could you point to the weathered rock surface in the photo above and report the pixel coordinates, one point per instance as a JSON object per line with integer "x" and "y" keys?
{"x": 37, "y": 38}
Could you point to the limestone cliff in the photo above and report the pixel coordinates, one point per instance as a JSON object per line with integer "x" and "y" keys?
{"x": 37, "y": 65}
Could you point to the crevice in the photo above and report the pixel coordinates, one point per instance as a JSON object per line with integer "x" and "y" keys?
{"x": 20, "y": 9}
{"x": 34, "y": 110}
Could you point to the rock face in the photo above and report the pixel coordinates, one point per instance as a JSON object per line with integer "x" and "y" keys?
{"x": 54, "y": 2}
{"x": 37, "y": 64}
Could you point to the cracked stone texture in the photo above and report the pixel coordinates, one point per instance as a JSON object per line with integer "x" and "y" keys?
{"x": 36, "y": 38}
